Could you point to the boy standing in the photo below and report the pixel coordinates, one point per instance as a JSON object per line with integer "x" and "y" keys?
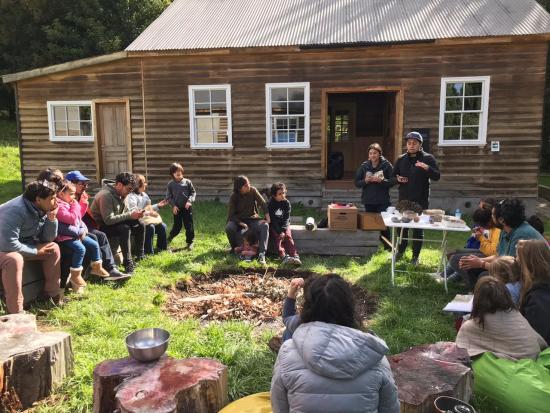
{"x": 180, "y": 194}
{"x": 279, "y": 211}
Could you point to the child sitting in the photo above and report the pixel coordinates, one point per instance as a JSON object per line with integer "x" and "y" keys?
{"x": 507, "y": 270}
{"x": 180, "y": 194}
{"x": 139, "y": 200}
{"x": 279, "y": 211}
{"x": 70, "y": 212}
{"x": 249, "y": 249}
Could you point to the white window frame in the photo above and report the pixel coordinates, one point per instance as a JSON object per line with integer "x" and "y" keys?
{"x": 271, "y": 145}
{"x": 192, "y": 137}
{"x": 51, "y": 117}
{"x": 482, "y": 136}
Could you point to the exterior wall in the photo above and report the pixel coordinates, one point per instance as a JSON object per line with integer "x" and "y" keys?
{"x": 517, "y": 73}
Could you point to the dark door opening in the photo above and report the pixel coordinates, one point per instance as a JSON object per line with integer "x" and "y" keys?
{"x": 355, "y": 121}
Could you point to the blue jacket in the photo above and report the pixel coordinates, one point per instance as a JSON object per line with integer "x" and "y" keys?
{"x": 23, "y": 226}
{"x": 508, "y": 241}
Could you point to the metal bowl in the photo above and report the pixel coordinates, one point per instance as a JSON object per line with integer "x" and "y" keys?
{"x": 147, "y": 344}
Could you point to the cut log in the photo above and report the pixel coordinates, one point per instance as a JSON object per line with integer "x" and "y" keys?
{"x": 425, "y": 372}
{"x": 165, "y": 385}
{"x": 109, "y": 374}
{"x": 32, "y": 363}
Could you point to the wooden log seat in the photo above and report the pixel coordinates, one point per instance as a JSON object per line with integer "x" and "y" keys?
{"x": 125, "y": 385}
{"x": 425, "y": 372}
{"x": 33, "y": 281}
{"x": 32, "y": 363}
{"x": 323, "y": 241}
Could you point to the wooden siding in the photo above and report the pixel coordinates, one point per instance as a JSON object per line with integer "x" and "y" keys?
{"x": 517, "y": 73}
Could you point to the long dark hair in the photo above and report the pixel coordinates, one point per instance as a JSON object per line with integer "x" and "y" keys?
{"x": 329, "y": 298}
{"x": 239, "y": 182}
{"x": 490, "y": 296}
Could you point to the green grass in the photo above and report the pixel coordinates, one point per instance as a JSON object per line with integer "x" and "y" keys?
{"x": 10, "y": 175}
{"x": 544, "y": 179}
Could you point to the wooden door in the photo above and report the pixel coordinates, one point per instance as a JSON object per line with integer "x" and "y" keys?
{"x": 113, "y": 138}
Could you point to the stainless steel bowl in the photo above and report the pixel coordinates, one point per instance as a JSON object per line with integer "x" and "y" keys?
{"x": 147, "y": 344}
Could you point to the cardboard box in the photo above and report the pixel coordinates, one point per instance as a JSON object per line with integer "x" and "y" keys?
{"x": 370, "y": 221}
{"x": 342, "y": 218}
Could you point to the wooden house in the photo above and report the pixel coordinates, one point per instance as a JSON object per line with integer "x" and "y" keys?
{"x": 290, "y": 90}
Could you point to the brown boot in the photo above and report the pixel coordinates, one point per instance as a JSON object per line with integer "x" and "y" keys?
{"x": 76, "y": 280}
{"x": 98, "y": 270}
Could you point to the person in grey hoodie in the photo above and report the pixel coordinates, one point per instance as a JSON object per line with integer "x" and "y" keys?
{"x": 28, "y": 226}
{"x": 330, "y": 365}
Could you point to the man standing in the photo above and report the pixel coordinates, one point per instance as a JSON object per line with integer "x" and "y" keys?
{"x": 81, "y": 183}
{"x": 28, "y": 226}
{"x": 413, "y": 171}
{"x": 113, "y": 218}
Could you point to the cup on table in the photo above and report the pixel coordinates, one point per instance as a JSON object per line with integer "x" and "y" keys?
{"x": 390, "y": 209}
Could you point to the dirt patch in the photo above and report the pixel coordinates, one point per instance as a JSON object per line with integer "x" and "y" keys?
{"x": 250, "y": 296}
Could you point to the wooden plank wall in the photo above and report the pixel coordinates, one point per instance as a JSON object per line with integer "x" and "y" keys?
{"x": 517, "y": 73}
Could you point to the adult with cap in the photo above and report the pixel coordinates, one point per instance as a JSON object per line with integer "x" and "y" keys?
{"x": 81, "y": 183}
{"x": 413, "y": 171}
{"x": 28, "y": 226}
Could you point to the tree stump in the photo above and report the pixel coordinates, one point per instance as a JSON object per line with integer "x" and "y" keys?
{"x": 32, "y": 363}
{"x": 197, "y": 385}
{"x": 426, "y": 372}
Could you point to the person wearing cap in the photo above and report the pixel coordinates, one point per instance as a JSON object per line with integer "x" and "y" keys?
{"x": 81, "y": 183}
{"x": 413, "y": 171}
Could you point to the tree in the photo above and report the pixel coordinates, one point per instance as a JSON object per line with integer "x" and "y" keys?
{"x": 36, "y": 33}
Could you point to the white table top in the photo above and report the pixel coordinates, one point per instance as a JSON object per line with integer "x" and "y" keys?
{"x": 436, "y": 226}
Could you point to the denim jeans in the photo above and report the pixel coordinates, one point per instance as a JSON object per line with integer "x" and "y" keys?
{"x": 80, "y": 247}
{"x": 150, "y": 231}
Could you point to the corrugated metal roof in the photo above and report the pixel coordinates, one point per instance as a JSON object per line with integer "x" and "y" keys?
{"x": 212, "y": 24}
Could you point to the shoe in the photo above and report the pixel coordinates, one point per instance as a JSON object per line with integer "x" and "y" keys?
{"x": 97, "y": 270}
{"x": 129, "y": 267}
{"x": 116, "y": 275}
{"x": 245, "y": 258}
{"x": 190, "y": 246}
{"x": 296, "y": 260}
{"x": 140, "y": 257}
{"x": 76, "y": 281}
{"x": 415, "y": 260}
{"x": 286, "y": 260}
{"x": 261, "y": 258}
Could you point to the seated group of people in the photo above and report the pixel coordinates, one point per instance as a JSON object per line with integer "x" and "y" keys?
{"x": 52, "y": 222}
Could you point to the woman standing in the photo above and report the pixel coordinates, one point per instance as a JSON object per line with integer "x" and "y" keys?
{"x": 374, "y": 176}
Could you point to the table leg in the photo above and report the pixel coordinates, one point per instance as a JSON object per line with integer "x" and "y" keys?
{"x": 443, "y": 260}
{"x": 393, "y": 252}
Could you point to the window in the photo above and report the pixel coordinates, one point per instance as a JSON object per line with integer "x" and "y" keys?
{"x": 287, "y": 115}
{"x": 70, "y": 121}
{"x": 463, "y": 111}
{"x": 210, "y": 116}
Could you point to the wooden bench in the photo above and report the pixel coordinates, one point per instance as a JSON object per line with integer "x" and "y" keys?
{"x": 323, "y": 241}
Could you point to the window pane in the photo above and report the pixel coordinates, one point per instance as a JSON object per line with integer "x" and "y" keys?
{"x": 452, "y": 119}
{"x": 470, "y": 133}
{"x": 293, "y": 123}
{"x": 473, "y": 89}
{"x": 470, "y": 119}
{"x": 85, "y": 128}
{"x": 85, "y": 112}
{"x": 296, "y": 93}
{"x": 219, "y": 124}
{"x": 202, "y": 96}
{"x": 61, "y": 129}
{"x": 218, "y": 96}
{"x": 301, "y": 122}
{"x": 282, "y": 137}
{"x": 455, "y": 89}
{"x": 281, "y": 123}
{"x": 472, "y": 103}
{"x": 274, "y": 137}
{"x": 451, "y": 134}
{"x": 296, "y": 108}
{"x": 203, "y": 124}
{"x": 301, "y": 136}
{"x": 221, "y": 136}
{"x": 73, "y": 113}
{"x": 74, "y": 128}
{"x": 454, "y": 104}
{"x": 278, "y": 108}
{"x": 202, "y": 109}
{"x": 292, "y": 136}
{"x": 59, "y": 113}
{"x": 219, "y": 108}
{"x": 278, "y": 94}
{"x": 204, "y": 137}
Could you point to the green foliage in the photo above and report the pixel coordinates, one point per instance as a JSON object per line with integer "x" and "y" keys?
{"x": 10, "y": 173}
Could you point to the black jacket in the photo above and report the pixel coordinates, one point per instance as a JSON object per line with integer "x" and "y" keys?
{"x": 375, "y": 193}
{"x": 536, "y": 309}
{"x": 279, "y": 213}
{"x": 417, "y": 189}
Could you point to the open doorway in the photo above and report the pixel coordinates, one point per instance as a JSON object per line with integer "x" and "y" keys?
{"x": 353, "y": 121}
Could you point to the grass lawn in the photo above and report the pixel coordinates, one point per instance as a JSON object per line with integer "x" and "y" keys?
{"x": 409, "y": 313}
{"x": 544, "y": 179}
